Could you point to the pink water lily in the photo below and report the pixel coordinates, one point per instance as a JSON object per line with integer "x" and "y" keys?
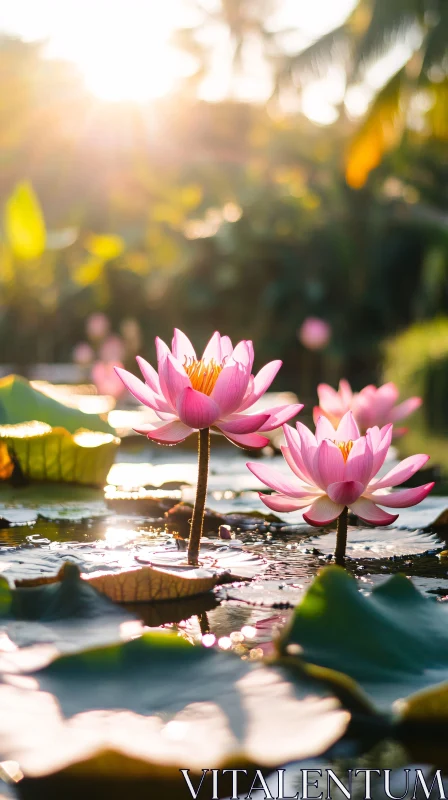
{"x": 191, "y": 394}
{"x": 337, "y": 469}
{"x": 214, "y": 391}
{"x": 371, "y": 406}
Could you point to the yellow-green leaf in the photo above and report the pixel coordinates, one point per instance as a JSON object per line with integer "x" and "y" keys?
{"x": 89, "y": 271}
{"x": 53, "y": 454}
{"x": 104, "y": 246}
{"x": 379, "y": 132}
{"x": 24, "y": 223}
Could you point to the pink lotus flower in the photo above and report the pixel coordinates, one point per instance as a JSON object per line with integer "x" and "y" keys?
{"x": 190, "y": 394}
{"x": 371, "y": 406}
{"x": 336, "y": 469}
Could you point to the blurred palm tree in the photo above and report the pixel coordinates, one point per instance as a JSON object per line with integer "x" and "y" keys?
{"x": 414, "y": 96}
{"x": 245, "y": 22}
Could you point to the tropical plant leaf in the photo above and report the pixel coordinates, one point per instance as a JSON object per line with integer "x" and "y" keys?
{"x": 69, "y": 614}
{"x": 317, "y": 57}
{"x": 389, "y": 23}
{"x": 393, "y": 642}
{"x": 437, "y": 115}
{"x": 436, "y": 40}
{"x": 21, "y": 402}
{"x": 24, "y": 223}
{"x": 149, "y": 707}
{"x": 40, "y": 452}
{"x": 379, "y": 132}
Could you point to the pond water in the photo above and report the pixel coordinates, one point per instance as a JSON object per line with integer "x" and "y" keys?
{"x": 43, "y": 525}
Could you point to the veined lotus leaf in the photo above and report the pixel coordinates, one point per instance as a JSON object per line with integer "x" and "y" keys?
{"x": 149, "y": 707}
{"x": 69, "y": 614}
{"x": 21, "y": 402}
{"x": 393, "y": 642}
{"x": 143, "y": 584}
{"x": 44, "y": 453}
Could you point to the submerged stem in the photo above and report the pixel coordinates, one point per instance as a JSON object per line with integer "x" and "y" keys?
{"x": 341, "y": 538}
{"x": 197, "y": 520}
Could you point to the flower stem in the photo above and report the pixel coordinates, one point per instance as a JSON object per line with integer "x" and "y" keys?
{"x": 341, "y": 538}
{"x": 197, "y": 520}
{"x": 204, "y": 624}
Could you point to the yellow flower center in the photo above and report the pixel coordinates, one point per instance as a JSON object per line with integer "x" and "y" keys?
{"x": 345, "y": 448}
{"x": 203, "y": 375}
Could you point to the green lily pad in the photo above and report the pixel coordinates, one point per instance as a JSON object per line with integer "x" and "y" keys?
{"x": 20, "y": 402}
{"x": 69, "y": 614}
{"x": 147, "y": 708}
{"x": 393, "y": 642}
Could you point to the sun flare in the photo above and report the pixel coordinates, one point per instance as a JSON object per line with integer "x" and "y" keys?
{"x": 124, "y": 51}
{"x": 122, "y": 48}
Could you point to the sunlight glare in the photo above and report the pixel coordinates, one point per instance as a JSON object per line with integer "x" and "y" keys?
{"x": 121, "y": 47}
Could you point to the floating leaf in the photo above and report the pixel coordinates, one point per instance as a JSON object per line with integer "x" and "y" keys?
{"x": 422, "y": 724}
{"x": 149, "y": 584}
{"x": 50, "y": 501}
{"x": 69, "y": 614}
{"x": 393, "y": 642}
{"x": 432, "y": 512}
{"x": 228, "y": 556}
{"x": 105, "y": 246}
{"x": 147, "y": 708}
{"x": 21, "y": 402}
{"x": 11, "y": 517}
{"x": 138, "y": 584}
{"x": 376, "y": 542}
{"x": 53, "y": 454}
{"x": 24, "y": 223}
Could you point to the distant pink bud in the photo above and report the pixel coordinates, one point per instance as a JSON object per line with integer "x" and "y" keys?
{"x": 112, "y": 350}
{"x": 83, "y": 354}
{"x": 106, "y": 379}
{"x": 314, "y": 333}
{"x": 97, "y": 326}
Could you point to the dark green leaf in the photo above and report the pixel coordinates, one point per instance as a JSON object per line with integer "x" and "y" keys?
{"x": 154, "y": 705}
{"x": 69, "y": 614}
{"x": 393, "y": 642}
